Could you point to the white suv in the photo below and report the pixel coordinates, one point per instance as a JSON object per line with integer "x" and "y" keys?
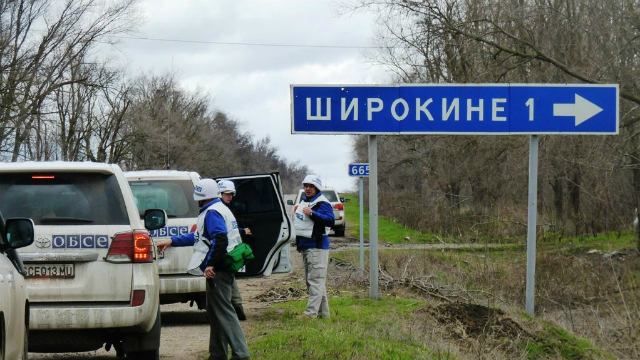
{"x": 257, "y": 205}
{"x": 14, "y": 302}
{"x": 91, "y": 274}
{"x": 337, "y": 203}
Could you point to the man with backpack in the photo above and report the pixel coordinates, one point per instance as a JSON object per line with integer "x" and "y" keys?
{"x": 216, "y": 234}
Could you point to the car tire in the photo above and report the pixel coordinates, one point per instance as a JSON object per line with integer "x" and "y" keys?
{"x": 201, "y": 301}
{"x": 339, "y": 231}
{"x": 149, "y": 340}
{"x": 2, "y": 337}
{"x": 25, "y": 347}
{"x": 144, "y": 355}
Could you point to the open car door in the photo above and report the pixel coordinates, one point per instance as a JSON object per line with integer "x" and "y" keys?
{"x": 259, "y": 206}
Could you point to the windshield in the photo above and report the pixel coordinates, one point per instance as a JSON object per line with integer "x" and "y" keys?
{"x": 63, "y": 198}
{"x": 173, "y": 196}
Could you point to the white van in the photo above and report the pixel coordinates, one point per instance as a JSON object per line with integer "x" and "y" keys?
{"x": 91, "y": 272}
{"x": 258, "y": 205}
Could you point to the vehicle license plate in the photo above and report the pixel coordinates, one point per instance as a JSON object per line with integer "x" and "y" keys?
{"x": 50, "y": 271}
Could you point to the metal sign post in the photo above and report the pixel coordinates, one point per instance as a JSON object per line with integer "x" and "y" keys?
{"x": 361, "y": 228}
{"x": 373, "y": 217}
{"x": 361, "y": 170}
{"x": 456, "y": 109}
{"x": 531, "y": 224}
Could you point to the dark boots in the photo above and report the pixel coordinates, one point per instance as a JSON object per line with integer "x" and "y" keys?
{"x": 240, "y": 312}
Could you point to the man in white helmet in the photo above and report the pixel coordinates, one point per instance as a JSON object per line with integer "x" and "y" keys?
{"x": 313, "y": 215}
{"x": 227, "y": 192}
{"x": 216, "y": 233}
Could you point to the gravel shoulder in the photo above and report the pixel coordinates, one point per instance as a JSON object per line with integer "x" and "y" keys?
{"x": 185, "y": 330}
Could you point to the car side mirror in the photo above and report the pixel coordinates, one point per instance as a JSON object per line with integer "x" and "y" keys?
{"x": 19, "y": 232}
{"x": 342, "y": 199}
{"x": 289, "y": 202}
{"x": 154, "y": 219}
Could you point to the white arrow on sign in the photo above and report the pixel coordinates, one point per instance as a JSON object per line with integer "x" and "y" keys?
{"x": 582, "y": 109}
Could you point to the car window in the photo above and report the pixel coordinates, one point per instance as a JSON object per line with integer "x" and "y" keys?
{"x": 331, "y": 195}
{"x": 63, "y": 198}
{"x": 2, "y": 241}
{"x": 174, "y": 197}
{"x": 254, "y": 196}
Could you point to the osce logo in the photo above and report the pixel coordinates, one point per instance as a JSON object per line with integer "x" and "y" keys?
{"x": 170, "y": 231}
{"x": 80, "y": 241}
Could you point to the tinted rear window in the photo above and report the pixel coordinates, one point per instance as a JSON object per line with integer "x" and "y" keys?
{"x": 175, "y": 197}
{"x": 63, "y": 198}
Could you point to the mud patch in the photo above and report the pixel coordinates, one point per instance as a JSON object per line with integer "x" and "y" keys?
{"x": 280, "y": 294}
{"x": 472, "y": 320}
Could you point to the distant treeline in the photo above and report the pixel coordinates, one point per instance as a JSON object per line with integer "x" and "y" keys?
{"x": 59, "y": 102}
{"x": 477, "y": 186}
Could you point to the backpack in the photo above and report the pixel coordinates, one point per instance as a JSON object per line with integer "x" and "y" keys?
{"x": 238, "y": 257}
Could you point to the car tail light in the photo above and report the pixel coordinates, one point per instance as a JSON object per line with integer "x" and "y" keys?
{"x": 137, "y": 297}
{"x": 131, "y": 246}
{"x": 339, "y": 206}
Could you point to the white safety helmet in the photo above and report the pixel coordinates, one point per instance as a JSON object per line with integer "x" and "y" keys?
{"x": 313, "y": 180}
{"x": 226, "y": 186}
{"x": 206, "y": 189}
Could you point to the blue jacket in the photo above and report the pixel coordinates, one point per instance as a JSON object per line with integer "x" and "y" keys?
{"x": 215, "y": 230}
{"x": 322, "y": 217}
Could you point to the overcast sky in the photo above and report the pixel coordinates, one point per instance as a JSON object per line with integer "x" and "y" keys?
{"x": 251, "y": 83}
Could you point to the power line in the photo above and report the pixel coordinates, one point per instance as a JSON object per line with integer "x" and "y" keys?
{"x": 248, "y": 43}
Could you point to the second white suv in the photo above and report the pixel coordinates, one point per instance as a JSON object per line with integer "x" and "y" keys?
{"x": 257, "y": 205}
{"x": 91, "y": 272}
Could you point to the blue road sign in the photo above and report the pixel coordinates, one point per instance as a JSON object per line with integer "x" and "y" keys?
{"x": 476, "y": 109}
{"x": 359, "y": 169}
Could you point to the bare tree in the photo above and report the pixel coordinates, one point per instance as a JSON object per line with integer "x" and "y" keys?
{"x": 40, "y": 41}
{"x": 586, "y": 182}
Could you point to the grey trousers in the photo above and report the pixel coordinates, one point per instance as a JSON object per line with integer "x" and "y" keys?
{"x": 236, "y": 298}
{"x": 316, "y": 262}
{"x": 225, "y": 327}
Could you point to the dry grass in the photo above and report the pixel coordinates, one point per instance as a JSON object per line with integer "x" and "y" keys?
{"x": 593, "y": 295}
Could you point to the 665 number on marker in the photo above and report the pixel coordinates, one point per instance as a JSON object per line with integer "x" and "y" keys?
{"x": 359, "y": 169}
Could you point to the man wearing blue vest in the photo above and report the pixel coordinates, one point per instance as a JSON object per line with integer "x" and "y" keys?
{"x": 216, "y": 233}
{"x": 312, "y": 216}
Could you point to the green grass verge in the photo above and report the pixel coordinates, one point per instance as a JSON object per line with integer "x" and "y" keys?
{"x": 358, "y": 329}
{"x": 555, "y": 342}
{"x": 605, "y": 241}
{"x": 388, "y": 229}
{"x": 391, "y": 231}
{"x": 364, "y": 329}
